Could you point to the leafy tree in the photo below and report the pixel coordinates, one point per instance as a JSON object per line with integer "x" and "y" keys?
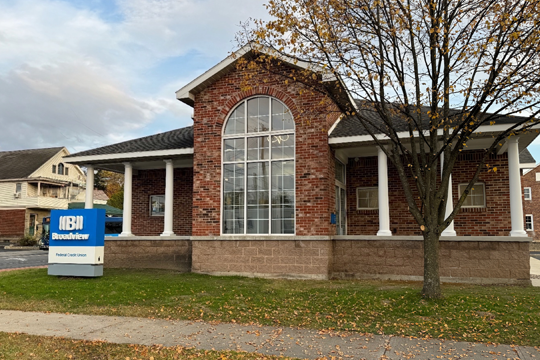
{"x": 117, "y": 199}
{"x": 437, "y": 69}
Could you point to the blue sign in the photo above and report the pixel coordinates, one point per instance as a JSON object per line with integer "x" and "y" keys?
{"x": 77, "y": 242}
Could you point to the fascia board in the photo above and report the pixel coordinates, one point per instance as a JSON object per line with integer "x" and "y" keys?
{"x": 405, "y": 134}
{"x": 130, "y": 155}
{"x": 527, "y": 166}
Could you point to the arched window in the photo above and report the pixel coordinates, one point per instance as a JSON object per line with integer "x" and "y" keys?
{"x": 61, "y": 169}
{"x": 258, "y": 169}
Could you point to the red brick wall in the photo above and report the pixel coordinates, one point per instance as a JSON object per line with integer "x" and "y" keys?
{"x": 12, "y": 223}
{"x": 494, "y": 220}
{"x": 152, "y": 182}
{"x": 532, "y": 206}
{"x": 314, "y": 161}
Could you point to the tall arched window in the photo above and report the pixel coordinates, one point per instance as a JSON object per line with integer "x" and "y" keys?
{"x": 61, "y": 169}
{"x": 258, "y": 169}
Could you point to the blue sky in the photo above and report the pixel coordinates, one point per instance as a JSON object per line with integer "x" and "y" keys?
{"x": 88, "y": 73}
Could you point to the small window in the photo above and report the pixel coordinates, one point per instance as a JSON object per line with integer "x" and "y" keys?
{"x": 477, "y": 196}
{"x": 54, "y": 169}
{"x": 340, "y": 171}
{"x": 367, "y": 198}
{"x": 157, "y": 205}
{"x": 527, "y": 195}
{"x": 18, "y": 187}
{"x": 66, "y": 171}
{"x": 529, "y": 222}
{"x": 537, "y": 176}
{"x": 60, "y": 169}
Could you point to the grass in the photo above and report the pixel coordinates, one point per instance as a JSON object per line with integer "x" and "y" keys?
{"x": 26, "y": 347}
{"x": 508, "y": 315}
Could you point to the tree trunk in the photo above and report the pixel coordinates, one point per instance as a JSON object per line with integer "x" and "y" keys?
{"x": 432, "y": 282}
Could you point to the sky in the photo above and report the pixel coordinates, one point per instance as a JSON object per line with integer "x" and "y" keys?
{"x": 89, "y": 73}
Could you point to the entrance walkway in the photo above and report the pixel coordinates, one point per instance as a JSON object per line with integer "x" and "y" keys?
{"x": 305, "y": 344}
{"x": 535, "y": 272}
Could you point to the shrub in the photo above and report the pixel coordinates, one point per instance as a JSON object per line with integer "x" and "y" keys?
{"x": 27, "y": 240}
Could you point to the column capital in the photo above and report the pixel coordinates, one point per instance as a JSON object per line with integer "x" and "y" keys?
{"x": 168, "y": 161}
{"x": 513, "y": 139}
{"x": 127, "y": 164}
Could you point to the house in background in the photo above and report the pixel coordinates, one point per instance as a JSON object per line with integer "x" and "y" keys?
{"x": 530, "y": 183}
{"x": 272, "y": 181}
{"x": 32, "y": 183}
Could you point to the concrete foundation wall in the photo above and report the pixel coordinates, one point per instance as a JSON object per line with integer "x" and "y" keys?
{"x": 485, "y": 261}
{"x": 148, "y": 254}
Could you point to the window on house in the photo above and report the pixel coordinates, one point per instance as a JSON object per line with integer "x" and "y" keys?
{"x": 18, "y": 187}
{"x": 477, "y": 196}
{"x": 527, "y": 195}
{"x": 259, "y": 169}
{"x": 537, "y": 176}
{"x": 61, "y": 169}
{"x": 340, "y": 171}
{"x": 157, "y": 205}
{"x": 66, "y": 171}
{"x": 54, "y": 169}
{"x": 529, "y": 226}
{"x": 367, "y": 198}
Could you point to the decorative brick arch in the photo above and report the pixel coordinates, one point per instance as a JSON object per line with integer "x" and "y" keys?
{"x": 258, "y": 91}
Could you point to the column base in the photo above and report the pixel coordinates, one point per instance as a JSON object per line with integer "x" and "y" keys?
{"x": 449, "y": 233}
{"x": 125, "y": 234}
{"x": 519, "y": 233}
{"x": 167, "y": 233}
{"x": 384, "y": 233}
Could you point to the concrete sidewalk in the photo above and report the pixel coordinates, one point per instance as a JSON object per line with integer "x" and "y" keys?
{"x": 535, "y": 270}
{"x": 305, "y": 344}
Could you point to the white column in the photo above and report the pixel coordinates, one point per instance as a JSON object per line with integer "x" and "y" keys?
{"x": 384, "y": 207}
{"x": 516, "y": 206}
{"x": 128, "y": 181}
{"x": 169, "y": 192}
{"x": 89, "y": 195}
{"x": 449, "y": 231}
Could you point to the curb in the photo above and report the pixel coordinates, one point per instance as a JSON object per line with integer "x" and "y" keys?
{"x": 12, "y": 247}
{"x": 24, "y": 268}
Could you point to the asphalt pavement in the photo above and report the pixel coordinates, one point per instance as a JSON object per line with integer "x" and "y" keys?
{"x": 16, "y": 259}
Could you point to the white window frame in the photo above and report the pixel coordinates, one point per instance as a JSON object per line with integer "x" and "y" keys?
{"x": 531, "y": 222}
{"x": 245, "y": 135}
{"x": 150, "y": 206}
{"x": 525, "y": 197}
{"x": 473, "y": 206}
{"x": 537, "y": 176}
{"x": 366, "y": 188}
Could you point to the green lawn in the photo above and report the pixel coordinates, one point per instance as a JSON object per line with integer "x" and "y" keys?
{"x": 472, "y": 313}
{"x": 25, "y": 347}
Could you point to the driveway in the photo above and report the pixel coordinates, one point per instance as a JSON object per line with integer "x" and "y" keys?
{"x": 15, "y": 259}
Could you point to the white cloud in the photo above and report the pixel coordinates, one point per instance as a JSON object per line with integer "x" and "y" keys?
{"x": 68, "y": 75}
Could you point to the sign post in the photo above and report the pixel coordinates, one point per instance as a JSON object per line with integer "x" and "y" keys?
{"x": 76, "y": 242}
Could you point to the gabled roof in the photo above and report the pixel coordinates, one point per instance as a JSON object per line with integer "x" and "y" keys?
{"x": 22, "y": 163}
{"x": 187, "y": 93}
{"x": 351, "y": 125}
{"x": 170, "y": 140}
{"x": 525, "y": 157}
{"x": 100, "y": 195}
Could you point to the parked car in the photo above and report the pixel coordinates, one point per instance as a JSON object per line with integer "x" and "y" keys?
{"x": 113, "y": 227}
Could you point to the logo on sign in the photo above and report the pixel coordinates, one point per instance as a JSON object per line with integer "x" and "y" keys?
{"x": 69, "y": 223}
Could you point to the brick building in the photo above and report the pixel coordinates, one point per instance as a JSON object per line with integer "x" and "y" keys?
{"x": 530, "y": 182}
{"x": 255, "y": 189}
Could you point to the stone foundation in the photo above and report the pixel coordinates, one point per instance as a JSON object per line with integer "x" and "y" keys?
{"x": 148, "y": 253}
{"x": 465, "y": 261}
{"x": 483, "y": 260}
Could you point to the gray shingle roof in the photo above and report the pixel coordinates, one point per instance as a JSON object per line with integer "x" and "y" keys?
{"x": 170, "y": 140}
{"x": 351, "y": 126}
{"x": 22, "y": 163}
{"x": 525, "y": 157}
